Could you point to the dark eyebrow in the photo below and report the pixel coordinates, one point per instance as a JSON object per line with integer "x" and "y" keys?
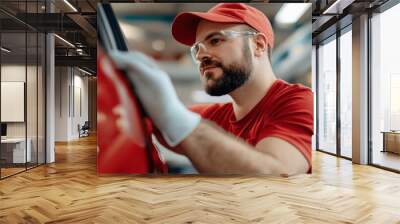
{"x": 211, "y": 34}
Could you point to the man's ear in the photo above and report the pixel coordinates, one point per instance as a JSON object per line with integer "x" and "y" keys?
{"x": 261, "y": 46}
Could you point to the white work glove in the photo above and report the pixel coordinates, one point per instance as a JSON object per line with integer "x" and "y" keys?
{"x": 157, "y": 95}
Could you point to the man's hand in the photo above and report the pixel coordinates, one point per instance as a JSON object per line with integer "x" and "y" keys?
{"x": 157, "y": 94}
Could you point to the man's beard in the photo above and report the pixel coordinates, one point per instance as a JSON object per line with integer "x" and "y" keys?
{"x": 233, "y": 75}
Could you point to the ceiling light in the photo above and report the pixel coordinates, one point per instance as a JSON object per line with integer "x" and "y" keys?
{"x": 337, "y": 7}
{"x": 291, "y": 12}
{"x": 65, "y": 41}
{"x": 80, "y": 51}
{"x": 84, "y": 71}
{"x": 5, "y": 50}
{"x": 70, "y": 5}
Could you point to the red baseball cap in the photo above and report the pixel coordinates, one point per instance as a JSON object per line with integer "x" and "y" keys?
{"x": 185, "y": 24}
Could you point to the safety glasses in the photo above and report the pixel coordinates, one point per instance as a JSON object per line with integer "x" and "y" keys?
{"x": 217, "y": 39}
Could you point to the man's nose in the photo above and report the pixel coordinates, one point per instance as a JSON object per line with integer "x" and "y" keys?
{"x": 202, "y": 53}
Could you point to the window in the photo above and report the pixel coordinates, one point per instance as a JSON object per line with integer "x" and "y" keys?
{"x": 346, "y": 94}
{"x": 385, "y": 89}
{"x": 327, "y": 96}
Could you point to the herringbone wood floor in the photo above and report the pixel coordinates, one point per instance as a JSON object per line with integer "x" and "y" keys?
{"x": 70, "y": 191}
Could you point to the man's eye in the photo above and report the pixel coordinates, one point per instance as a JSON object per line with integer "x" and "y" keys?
{"x": 214, "y": 41}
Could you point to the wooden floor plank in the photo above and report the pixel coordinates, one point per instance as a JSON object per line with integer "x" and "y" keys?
{"x": 70, "y": 191}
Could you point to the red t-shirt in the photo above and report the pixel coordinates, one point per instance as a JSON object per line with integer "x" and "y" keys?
{"x": 285, "y": 112}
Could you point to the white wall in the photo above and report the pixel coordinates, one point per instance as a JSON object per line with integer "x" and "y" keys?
{"x": 71, "y": 93}
{"x": 61, "y": 103}
{"x": 13, "y": 73}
